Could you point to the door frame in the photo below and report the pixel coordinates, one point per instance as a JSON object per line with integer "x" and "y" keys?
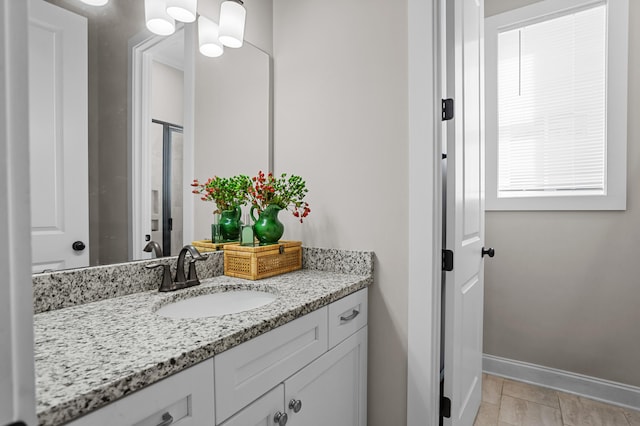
{"x": 425, "y": 210}
{"x": 167, "y": 173}
{"x": 17, "y": 380}
{"x": 139, "y": 87}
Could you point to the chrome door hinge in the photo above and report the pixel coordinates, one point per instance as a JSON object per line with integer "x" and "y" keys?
{"x": 447, "y": 109}
{"x": 447, "y": 260}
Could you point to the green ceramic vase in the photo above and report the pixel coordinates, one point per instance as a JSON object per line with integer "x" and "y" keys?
{"x": 230, "y": 224}
{"x": 267, "y": 227}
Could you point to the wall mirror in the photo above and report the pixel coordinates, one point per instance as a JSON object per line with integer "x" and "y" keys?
{"x": 151, "y": 104}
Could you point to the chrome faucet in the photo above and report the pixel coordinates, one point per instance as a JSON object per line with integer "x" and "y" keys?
{"x": 152, "y": 245}
{"x": 181, "y": 281}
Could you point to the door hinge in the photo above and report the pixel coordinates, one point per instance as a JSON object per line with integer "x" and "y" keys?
{"x": 170, "y": 224}
{"x": 447, "y": 260}
{"x": 447, "y": 109}
{"x": 445, "y": 407}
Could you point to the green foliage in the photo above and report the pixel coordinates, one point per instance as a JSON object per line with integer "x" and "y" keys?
{"x": 227, "y": 193}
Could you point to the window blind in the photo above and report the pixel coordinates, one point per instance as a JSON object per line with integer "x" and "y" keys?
{"x": 552, "y": 105}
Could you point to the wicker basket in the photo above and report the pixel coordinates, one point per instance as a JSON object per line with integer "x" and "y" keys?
{"x": 254, "y": 263}
{"x": 205, "y": 246}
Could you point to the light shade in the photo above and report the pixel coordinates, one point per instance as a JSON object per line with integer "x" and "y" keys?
{"x": 158, "y": 21}
{"x": 95, "y": 2}
{"x": 208, "y": 38}
{"x": 232, "y": 17}
{"x": 182, "y": 10}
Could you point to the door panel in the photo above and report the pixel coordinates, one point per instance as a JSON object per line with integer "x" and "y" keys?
{"x": 464, "y": 210}
{"x": 260, "y": 412}
{"x": 58, "y": 136}
{"x": 332, "y": 389}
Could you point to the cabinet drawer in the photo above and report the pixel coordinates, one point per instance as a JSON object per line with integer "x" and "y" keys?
{"x": 187, "y": 397}
{"x": 249, "y": 370}
{"x": 346, "y": 316}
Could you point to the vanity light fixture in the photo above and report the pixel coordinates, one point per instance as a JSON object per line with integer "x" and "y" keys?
{"x": 160, "y": 17}
{"x": 208, "y": 38}
{"x": 95, "y": 2}
{"x": 232, "y": 19}
{"x": 182, "y": 10}
{"x": 158, "y": 20}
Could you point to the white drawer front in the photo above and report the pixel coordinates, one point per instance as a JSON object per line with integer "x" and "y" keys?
{"x": 186, "y": 396}
{"x": 249, "y": 370}
{"x": 346, "y": 316}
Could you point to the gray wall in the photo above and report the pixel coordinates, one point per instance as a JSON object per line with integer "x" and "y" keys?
{"x": 563, "y": 289}
{"x": 341, "y": 122}
{"x": 231, "y": 121}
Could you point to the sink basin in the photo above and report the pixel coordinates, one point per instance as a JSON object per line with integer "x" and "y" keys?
{"x": 216, "y": 304}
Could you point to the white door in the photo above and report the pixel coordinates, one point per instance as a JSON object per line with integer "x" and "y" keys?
{"x": 262, "y": 411}
{"x": 464, "y": 289}
{"x": 333, "y": 389}
{"x": 58, "y": 137}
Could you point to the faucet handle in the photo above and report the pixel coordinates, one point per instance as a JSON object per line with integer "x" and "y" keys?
{"x": 166, "y": 284}
{"x": 193, "y": 274}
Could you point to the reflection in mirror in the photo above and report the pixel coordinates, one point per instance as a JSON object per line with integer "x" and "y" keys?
{"x": 227, "y": 132}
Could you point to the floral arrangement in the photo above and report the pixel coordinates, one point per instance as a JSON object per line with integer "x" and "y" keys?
{"x": 227, "y": 193}
{"x": 285, "y": 192}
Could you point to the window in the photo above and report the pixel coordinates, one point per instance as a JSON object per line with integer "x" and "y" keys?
{"x": 556, "y": 98}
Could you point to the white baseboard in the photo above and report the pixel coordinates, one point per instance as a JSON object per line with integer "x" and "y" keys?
{"x": 565, "y": 381}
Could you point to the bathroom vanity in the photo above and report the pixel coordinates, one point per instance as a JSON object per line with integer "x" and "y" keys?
{"x": 299, "y": 360}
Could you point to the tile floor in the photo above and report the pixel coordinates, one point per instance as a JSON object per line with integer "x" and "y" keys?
{"x": 509, "y": 403}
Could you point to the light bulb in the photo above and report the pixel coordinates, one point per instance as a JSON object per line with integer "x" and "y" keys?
{"x": 232, "y": 17}
{"x": 208, "y": 38}
{"x": 158, "y": 21}
{"x": 95, "y": 2}
{"x": 182, "y": 10}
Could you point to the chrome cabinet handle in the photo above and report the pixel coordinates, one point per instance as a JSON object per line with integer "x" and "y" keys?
{"x": 167, "y": 419}
{"x": 280, "y": 418}
{"x": 295, "y": 405}
{"x": 354, "y": 314}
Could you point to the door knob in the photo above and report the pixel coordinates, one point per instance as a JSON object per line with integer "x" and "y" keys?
{"x": 78, "y": 246}
{"x": 490, "y": 251}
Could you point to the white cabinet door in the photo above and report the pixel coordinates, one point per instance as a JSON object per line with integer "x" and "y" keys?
{"x": 262, "y": 411}
{"x": 333, "y": 389}
{"x": 58, "y": 139}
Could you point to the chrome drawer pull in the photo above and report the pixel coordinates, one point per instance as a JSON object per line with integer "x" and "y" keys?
{"x": 167, "y": 419}
{"x": 354, "y": 314}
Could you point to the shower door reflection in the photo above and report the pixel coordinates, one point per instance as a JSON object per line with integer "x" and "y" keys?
{"x": 166, "y": 186}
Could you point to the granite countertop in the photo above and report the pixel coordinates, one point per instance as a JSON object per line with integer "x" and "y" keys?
{"x": 91, "y": 354}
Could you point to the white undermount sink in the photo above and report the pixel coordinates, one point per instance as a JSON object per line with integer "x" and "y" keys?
{"x": 216, "y": 304}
